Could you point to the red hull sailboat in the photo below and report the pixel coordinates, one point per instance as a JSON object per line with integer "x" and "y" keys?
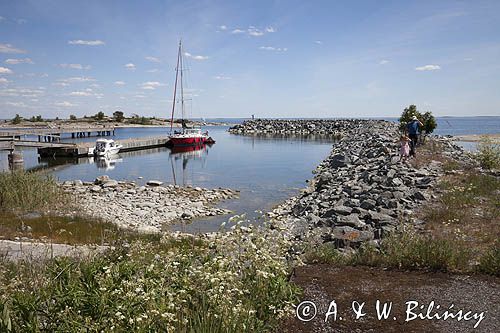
{"x": 186, "y": 136}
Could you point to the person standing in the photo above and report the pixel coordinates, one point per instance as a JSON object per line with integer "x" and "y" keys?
{"x": 414, "y": 127}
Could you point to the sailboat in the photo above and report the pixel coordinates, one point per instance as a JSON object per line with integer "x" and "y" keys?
{"x": 187, "y": 136}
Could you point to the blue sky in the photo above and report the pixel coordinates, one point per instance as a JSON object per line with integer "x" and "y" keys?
{"x": 268, "y": 58}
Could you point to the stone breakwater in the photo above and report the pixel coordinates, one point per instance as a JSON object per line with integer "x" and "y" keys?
{"x": 361, "y": 192}
{"x": 145, "y": 208}
{"x": 294, "y": 127}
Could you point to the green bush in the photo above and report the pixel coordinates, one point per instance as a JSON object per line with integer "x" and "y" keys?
{"x": 489, "y": 262}
{"x": 488, "y": 154}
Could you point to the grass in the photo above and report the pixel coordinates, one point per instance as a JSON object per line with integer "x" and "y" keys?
{"x": 22, "y": 192}
{"x": 235, "y": 282}
{"x": 488, "y": 154}
{"x": 406, "y": 250}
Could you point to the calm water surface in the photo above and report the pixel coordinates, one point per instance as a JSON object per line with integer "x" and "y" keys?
{"x": 267, "y": 170}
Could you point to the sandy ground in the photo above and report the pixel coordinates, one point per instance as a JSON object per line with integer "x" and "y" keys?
{"x": 477, "y": 137}
{"x": 324, "y": 283}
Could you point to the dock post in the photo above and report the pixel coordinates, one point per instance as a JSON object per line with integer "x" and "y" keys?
{"x": 89, "y": 133}
{"x": 72, "y": 135}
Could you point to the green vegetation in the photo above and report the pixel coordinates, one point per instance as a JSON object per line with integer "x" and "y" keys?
{"x": 17, "y": 119}
{"x": 488, "y": 154}
{"x": 135, "y": 119}
{"x": 427, "y": 119}
{"x": 234, "y": 282}
{"x": 72, "y": 117}
{"x": 490, "y": 261}
{"x": 36, "y": 119}
{"x": 99, "y": 116}
{"x": 118, "y": 116}
{"x": 22, "y": 192}
{"x": 405, "y": 249}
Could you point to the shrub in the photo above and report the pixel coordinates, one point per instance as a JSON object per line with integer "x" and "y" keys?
{"x": 489, "y": 262}
{"x": 488, "y": 154}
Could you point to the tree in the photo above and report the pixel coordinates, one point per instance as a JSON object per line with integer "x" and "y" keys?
{"x": 427, "y": 119}
{"x": 72, "y": 117}
{"x": 17, "y": 119}
{"x": 99, "y": 115}
{"x": 429, "y": 122}
{"x": 118, "y": 115}
{"x": 36, "y": 119}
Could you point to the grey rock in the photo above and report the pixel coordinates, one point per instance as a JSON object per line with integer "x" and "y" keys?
{"x": 154, "y": 183}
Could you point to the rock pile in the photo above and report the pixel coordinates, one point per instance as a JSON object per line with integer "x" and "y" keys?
{"x": 145, "y": 208}
{"x": 295, "y": 127}
{"x": 361, "y": 191}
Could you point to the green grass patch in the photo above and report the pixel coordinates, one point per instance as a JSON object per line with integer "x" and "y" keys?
{"x": 489, "y": 262}
{"x": 488, "y": 153}
{"x": 402, "y": 250}
{"x": 22, "y": 192}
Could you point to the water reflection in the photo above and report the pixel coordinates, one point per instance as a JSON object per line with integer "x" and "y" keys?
{"x": 184, "y": 155}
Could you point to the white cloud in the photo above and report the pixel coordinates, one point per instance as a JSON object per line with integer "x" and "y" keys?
{"x": 119, "y": 83}
{"x": 8, "y": 48}
{"x": 86, "y": 42}
{"x": 20, "y": 21}
{"x": 3, "y": 80}
{"x": 383, "y": 62}
{"x": 237, "y": 31}
{"x": 195, "y": 57}
{"x": 80, "y": 93}
{"x": 151, "y": 85}
{"x": 77, "y": 79}
{"x": 130, "y": 66}
{"x": 252, "y": 31}
{"x": 319, "y": 42}
{"x": 65, "y": 104}
{"x": 223, "y": 27}
{"x": 270, "y": 29}
{"x": 24, "y": 92}
{"x": 154, "y": 70}
{"x": 75, "y": 66}
{"x": 153, "y": 59}
{"x": 428, "y": 68}
{"x": 222, "y": 77}
{"x": 16, "y": 104}
{"x": 272, "y": 48}
{"x": 5, "y": 70}
{"x": 19, "y": 61}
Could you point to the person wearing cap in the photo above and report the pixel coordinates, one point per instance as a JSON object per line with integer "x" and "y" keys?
{"x": 414, "y": 127}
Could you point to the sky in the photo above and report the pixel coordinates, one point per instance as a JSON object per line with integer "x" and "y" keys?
{"x": 267, "y": 58}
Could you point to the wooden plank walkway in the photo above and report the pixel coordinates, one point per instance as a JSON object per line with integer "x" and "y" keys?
{"x": 47, "y": 131}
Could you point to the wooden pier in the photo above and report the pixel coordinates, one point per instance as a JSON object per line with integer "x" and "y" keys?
{"x": 53, "y": 134}
{"x": 82, "y": 149}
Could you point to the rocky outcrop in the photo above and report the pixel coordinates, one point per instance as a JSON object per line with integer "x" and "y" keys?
{"x": 145, "y": 208}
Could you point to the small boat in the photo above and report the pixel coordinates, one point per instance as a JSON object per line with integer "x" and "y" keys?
{"x": 105, "y": 147}
{"x": 186, "y": 136}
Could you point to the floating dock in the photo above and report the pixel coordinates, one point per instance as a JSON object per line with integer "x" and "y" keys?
{"x": 82, "y": 149}
{"x": 51, "y": 134}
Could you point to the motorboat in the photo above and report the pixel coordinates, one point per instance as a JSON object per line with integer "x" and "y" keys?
{"x": 105, "y": 147}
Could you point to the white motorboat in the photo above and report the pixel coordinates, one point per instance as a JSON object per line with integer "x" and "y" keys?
{"x": 105, "y": 147}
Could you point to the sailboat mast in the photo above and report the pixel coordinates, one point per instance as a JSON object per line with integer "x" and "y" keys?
{"x": 175, "y": 87}
{"x": 182, "y": 87}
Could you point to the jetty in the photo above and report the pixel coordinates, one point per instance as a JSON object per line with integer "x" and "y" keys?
{"x": 82, "y": 148}
{"x": 51, "y": 134}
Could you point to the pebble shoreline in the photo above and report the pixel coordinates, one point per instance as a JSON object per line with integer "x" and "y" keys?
{"x": 145, "y": 208}
{"x": 361, "y": 192}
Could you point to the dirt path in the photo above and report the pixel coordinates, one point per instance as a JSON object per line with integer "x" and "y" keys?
{"x": 323, "y": 283}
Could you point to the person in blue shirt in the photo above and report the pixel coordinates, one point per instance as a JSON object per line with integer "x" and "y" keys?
{"x": 414, "y": 127}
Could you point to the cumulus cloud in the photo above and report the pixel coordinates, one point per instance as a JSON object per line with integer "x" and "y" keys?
{"x": 223, "y": 27}
{"x": 152, "y": 59}
{"x": 24, "y": 92}
{"x": 19, "y": 61}
{"x": 195, "y": 57}
{"x": 272, "y": 48}
{"x": 222, "y": 77}
{"x": 238, "y": 31}
{"x": 151, "y": 85}
{"x": 8, "y": 48}
{"x": 3, "y": 80}
{"x": 254, "y": 31}
{"x": 86, "y": 42}
{"x": 16, "y": 104}
{"x": 383, "y": 62}
{"x": 75, "y": 66}
{"x": 119, "y": 83}
{"x": 65, "y": 104}
{"x": 428, "y": 68}
{"x": 5, "y": 70}
{"x": 80, "y": 93}
{"x": 319, "y": 42}
{"x": 130, "y": 66}
{"x": 77, "y": 79}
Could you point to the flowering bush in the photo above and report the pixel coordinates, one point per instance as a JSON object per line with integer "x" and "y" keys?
{"x": 231, "y": 282}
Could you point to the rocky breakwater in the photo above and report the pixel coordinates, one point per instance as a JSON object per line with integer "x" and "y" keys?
{"x": 361, "y": 191}
{"x": 145, "y": 208}
{"x": 293, "y": 127}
